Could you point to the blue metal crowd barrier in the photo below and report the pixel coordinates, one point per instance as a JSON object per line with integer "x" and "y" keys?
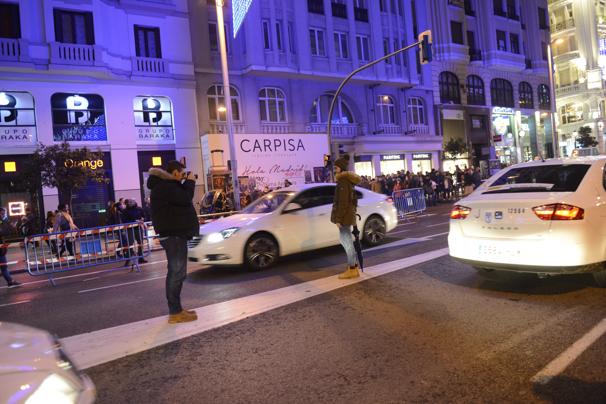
{"x": 86, "y": 248}
{"x": 409, "y": 201}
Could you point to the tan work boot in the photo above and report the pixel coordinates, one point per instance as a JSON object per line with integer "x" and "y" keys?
{"x": 183, "y": 317}
{"x": 350, "y": 273}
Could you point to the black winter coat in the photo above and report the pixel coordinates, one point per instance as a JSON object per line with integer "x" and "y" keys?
{"x": 132, "y": 214}
{"x": 172, "y": 211}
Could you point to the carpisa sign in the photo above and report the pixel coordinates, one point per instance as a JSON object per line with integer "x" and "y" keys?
{"x": 270, "y": 159}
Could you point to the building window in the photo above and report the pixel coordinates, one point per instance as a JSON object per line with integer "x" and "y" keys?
{"x": 475, "y": 90}
{"x": 272, "y": 105}
{"x": 291, "y": 38}
{"x": 279, "y": 35}
{"x": 526, "y": 98}
{"x": 216, "y": 103}
{"x": 514, "y": 42}
{"x": 363, "y": 44}
{"x": 449, "y": 88}
{"x": 386, "y": 50}
{"x": 213, "y": 36}
{"x": 341, "y": 45}
{"x": 456, "y": 29}
{"x": 502, "y": 40}
{"x": 315, "y": 6}
{"x": 571, "y": 113}
{"x": 469, "y": 9}
{"x": 383, "y": 6}
{"x": 266, "y": 35}
{"x": 386, "y": 109}
{"x": 339, "y": 9}
{"x": 512, "y": 12}
{"x": 543, "y": 18}
{"x": 316, "y": 39}
{"x": 319, "y": 111}
{"x": 501, "y": 92}
{"x": 497, "y": 6}
{"x": 74, "y": 27}
{"x": 10, "y": 22}
{"x": 147, "y": 42}
{"x": 360, "y": 10}
{"x": 544, "y": 50}
{"x": 544, "y": 97}
{"x": 416, "y": 111}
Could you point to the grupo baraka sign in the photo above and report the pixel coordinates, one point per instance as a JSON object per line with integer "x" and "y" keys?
{"x": 17, "y": 119}
{"x": 153, "y": 120}
{"x": 271, "y": 159}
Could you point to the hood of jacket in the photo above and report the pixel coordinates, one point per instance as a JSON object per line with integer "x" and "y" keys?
{"x": 349, "y": 176}
{"x": 157, "y": 175}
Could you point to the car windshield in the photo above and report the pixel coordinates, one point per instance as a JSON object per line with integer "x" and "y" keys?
{"x": 547, "y": 178}
{"x": 267, "y": 203}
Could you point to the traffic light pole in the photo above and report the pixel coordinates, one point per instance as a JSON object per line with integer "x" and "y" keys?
{"x": 346, "y": 80}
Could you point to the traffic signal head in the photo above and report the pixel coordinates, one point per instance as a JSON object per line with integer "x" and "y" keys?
{"x": 326, "y": 160}
{"x": 425, "y": 51}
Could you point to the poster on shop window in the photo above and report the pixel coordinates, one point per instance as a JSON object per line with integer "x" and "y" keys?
{"x": 269, "y": 160}
{"x": 78, "y": 117}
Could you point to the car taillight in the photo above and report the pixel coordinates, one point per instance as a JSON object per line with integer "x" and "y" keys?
{"x": 460, "y": 212}
{"x": 559, "y": 211}
{"x": 389, "y": 199}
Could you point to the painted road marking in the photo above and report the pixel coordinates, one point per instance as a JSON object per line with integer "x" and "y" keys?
{"x": 437, "y": 224}
{"x": 14, "y": 303}
{"x": 391, "y": 233}
{"x": 436, "y": 235}
{"x": 559, "y": 364}
{"x": 97, "y": 347}
{"x": 122, "y": 284}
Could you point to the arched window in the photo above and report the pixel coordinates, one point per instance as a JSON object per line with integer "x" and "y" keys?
{"x": 416, "y": 111}
{"x": 501, "y": 92}
{"x": 449, "y": 88}
{"x": 475, "y": 90}
{"x": 526, "y": 97}
{"x": 272, "y": 105}
{"x": 319, "y": 111}
{"x": 386, "y": 108}
{"x": 544, "y": 97}
{"x": 216, "y": 103}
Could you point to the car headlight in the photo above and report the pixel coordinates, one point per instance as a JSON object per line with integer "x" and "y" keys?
{"x": 223, "y": 235}
{"x": 54, "y": 389}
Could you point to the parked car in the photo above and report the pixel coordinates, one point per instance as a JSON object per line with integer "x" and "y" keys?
{"x": 288, "y": 221}
{"x": 542, "y": 217}
{"x": 35, "y": 369}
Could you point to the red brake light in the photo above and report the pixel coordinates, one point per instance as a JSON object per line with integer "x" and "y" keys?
{"x": 389, "y": 199}
{"x": 459, "y": 212}
{"x": 559, "y": 211}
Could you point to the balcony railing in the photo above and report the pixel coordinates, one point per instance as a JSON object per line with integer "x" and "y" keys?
{"x": 569, "y": 89}
{"x": 343, "y": 130}
{"x": 339, "y": 10}
{"x": 73, "y": 54}
{"x": 388, "y": 129}
{"x": 315, "y": 6}
{"x": 475, "y": 55}
{"x": 271, "y": 128}
{"x": 418, "y": 130}
{"x": 562, "y": 25}
{"x": 149, "y": 66}
{"x": 361, "y": 14}
{"x": 10, "y": 49}
{"x": 221, "y": 127}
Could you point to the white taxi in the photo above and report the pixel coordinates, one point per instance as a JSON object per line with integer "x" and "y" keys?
{"x": 287, "y": 221}
{"x": 543, "y": 217}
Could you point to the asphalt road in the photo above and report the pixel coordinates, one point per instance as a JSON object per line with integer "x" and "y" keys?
{"x": 433, "y": 332}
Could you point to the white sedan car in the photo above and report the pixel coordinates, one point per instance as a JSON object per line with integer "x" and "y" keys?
{"x": 34, "y": 369}
{"x": 287, "y": 221}
{"x": 543, "y": 217}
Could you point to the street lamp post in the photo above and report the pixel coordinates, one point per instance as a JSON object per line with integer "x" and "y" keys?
{"x": 227, "y": 97}
{"x": 554, "y": 132}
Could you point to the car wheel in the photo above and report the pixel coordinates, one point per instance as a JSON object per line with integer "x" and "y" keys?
{"x": 600, "y": 278}
{"x": 261, "y": 252}
{"x": 374, "y": 231}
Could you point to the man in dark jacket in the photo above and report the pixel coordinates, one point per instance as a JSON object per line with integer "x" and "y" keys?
{"x": 175, "y": 221}
{"x": 344, "y": 213}
{"x": 5, "y": 230}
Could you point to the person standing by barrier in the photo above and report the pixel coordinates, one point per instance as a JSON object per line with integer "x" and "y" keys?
{"x": 64, "y": 222}
{"x": 175, "y": 221}
{"x": 133, "y": 213}
{"x": 5, "y": 230}
{"x": 344, "y": 213}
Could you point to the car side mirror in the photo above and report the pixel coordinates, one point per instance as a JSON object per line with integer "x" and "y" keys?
{"x": 292, "y": 207}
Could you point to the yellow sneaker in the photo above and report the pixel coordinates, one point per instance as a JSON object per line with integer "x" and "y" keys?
{"x": 350, "y": 273}
{"x": 183, "y": 317}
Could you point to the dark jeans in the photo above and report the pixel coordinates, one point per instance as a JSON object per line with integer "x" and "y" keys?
{"x": 4, "y": 269}
{"x": 176, "y": 255}
{"x": 66, "y": 244}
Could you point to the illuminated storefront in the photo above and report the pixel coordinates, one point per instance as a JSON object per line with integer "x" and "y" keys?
{"x": 363, "y": 166}
{"x": 392, "y": 163}
{"x": 421, "y": 162}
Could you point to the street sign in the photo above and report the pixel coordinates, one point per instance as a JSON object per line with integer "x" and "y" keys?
{"x": 239, "y": 8}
